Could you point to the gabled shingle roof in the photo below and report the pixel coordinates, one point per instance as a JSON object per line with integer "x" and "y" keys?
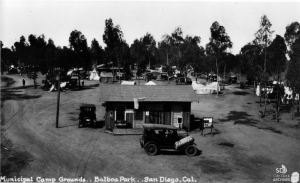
{"x": 164, "y": 93}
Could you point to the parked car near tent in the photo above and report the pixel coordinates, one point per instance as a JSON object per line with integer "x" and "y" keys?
{"x": 183, "y": 80}
{"x": 232, "y": 79}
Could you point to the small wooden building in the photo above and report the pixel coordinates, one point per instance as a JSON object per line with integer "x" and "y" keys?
{"x": 139, "y": 104}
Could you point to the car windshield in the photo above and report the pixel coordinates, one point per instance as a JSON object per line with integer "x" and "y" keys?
{"x": 160, "y": 133}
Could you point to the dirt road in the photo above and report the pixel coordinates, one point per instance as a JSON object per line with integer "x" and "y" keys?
{"x": 244, "y": 148}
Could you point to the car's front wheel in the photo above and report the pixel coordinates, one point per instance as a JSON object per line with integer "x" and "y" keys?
{"x": 191, "y": 150}
{"x": 151, "y": 149}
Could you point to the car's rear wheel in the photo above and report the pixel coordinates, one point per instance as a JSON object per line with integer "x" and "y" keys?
{"x": 151, "y": 149}
{"x": 191, "y": 150}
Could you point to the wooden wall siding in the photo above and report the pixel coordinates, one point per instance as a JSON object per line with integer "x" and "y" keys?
{"x": 167, "y": 113}
{"x": 186, "y": 115}
{"x": 138, "y": 124}
{"x": 165, "y": 116}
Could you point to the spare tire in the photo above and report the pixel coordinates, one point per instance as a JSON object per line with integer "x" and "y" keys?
{"x": 87, "y": 121}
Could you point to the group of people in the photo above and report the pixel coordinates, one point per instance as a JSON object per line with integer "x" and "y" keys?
{"x": 287, "y": 99}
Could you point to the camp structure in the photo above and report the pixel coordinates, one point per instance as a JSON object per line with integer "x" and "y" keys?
{"x": 150, "y": 83}
{"x": 128, "y": 83}
{"x": 208, "y": 88}
{"x": 94, "y": 75}
{"x": 106, "y": 77}
{"x": 142, "y": 104}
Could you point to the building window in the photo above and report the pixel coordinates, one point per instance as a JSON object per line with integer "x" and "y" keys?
{"x": 138, "y": 115}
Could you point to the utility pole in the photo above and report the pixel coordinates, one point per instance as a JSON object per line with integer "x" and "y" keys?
{"x": 58, "y": 99}
{"x": 168, "y": 68}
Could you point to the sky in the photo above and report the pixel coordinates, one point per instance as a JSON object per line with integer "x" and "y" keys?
{"x": 57, "y": 19}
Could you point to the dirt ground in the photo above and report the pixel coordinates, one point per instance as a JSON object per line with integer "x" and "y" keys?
{"x": 244, "y": 147}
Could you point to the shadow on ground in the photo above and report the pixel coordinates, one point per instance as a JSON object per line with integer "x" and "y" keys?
{"x": 11, "y": 94}
{"x": 166, "y": 152}
{"x": 235, "y": 115}
{"x": 12, "y": 160}
{"x": 242, "y": 118}
{"x": 87, "y": 87}
{"x": 240, "y": 93}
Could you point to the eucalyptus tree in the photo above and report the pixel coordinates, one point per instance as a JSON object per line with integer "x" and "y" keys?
{"x": 78, "y": 44}
{"x": 7, "y": 58}
{"x": 113, "y": 38}
{"x": 20, "y": 49}
{"x": 149, "y": 46}
{"x": 277, "y": 63}
{"x": 292, "y": 37}
{"x": 137, "y": 55}
{"x": 219, "y": 44}
{"x": 263, "y": 38}
{"x": 96, "y": 52}
{"x": 36, "y": 56}
{"x": 249, "y": 60}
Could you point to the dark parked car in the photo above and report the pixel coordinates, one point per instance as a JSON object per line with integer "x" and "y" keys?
{"x": 179, "y": 75}
{"x": 149, "y": 76}
{"x": 232, "y": 79}
{"x": 164, "y": 76}
{"x": 87, "y": 115}
{"x": 73, "y": 81}
{"x": 183, "y": 80}
{"x": 213, "y": 78}
{"x": 158, "y": 137}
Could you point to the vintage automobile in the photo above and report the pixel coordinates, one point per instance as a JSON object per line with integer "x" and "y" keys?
{"x": 213, "y": 78}
{"x": 73, "y": 81}
{"x": 164, "y": 76}
{"x": 183, "y": 80}
{"x": 87, "y": 115}
{"x": 158, "y": 137}
{"x": 150, "y": 76}
{"x": 232, "y": 79}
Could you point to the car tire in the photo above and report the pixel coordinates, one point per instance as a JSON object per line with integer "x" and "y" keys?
{"x": 191, "y": 150}
{"x": 86, "y": 122}
{"x": 151, "y": 149}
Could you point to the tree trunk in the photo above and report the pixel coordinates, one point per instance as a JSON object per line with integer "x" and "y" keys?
{"x": 298, "y": 106}
{"x": 254, "y": 86}
{"x": 224, "y": 77}
{"x": 217, "y": 77}
{"x": 277, "y": 105}
{"x": 265, "y": 68}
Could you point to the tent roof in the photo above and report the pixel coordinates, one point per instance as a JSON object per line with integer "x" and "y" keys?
{"x": 106, "y": 74}
{"x": 128, "y": 83}
{"x": 150, "y": 83}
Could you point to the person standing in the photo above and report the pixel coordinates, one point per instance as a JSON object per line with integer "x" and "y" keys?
{"x": 23, "y": 81}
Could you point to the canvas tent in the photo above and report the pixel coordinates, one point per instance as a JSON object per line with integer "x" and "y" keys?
{"x": 207, "y": 88}
{"x": 128, "y": 83}
{"x": 150, "y": 83}
{"x": 106, "y": 77}
{"x": 94, "y": 75}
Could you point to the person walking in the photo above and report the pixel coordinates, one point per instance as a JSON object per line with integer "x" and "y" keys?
{"x": 23, "y": 81}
